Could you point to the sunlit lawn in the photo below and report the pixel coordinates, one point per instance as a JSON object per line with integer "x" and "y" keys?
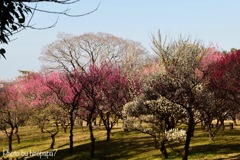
{"x": 123, "y": 145}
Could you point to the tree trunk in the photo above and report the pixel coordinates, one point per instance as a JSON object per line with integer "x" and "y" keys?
{"x": 54, "y": 135}
{"x": 163, "y": 150}
{"x": 92, "y": 139}
{"x": 107, "y": 125}
{"x": 213, "y": 131}
{"x": 18, "y": 138}
{"x": 10, "y": 136}
{"x": 124, "y": 125}
{"x": 210, "y": 132}
{"x": 156, "y": 143}
{"x": 189, "y": 135}
{"x": 210, "y": 136}
{"x": 53, "y": 141}
{"x": 108, "y": 134}
{"x": 203, "y": 126}
{"x": 100, "y": 122}
{"x": 17, "y": 135}
{"x": 64, "y": 126}
{"x": 234, "y": 121}
{"x": 42, "y": 129}
{"x": 65, "y": 129}
{"x": 222, "y": 123}
{"x": 81, "y": 124}
{"x": 71, "y": 132}
{"x": 10, "y": 141}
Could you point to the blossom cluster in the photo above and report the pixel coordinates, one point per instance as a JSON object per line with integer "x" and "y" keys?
{"x": 175, "y": 135}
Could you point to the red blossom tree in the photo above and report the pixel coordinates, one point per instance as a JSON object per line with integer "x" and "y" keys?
{"x": 224, "y": 81}
{"x": 211, "y": 56}
{"x": 115, "y": 93}
{"x": 91, "y": 81}
{"x": 220, "y": 71}
{"x": 224, "y": 77}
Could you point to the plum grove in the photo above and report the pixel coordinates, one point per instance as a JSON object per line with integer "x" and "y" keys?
{"x": 102, "y": 76}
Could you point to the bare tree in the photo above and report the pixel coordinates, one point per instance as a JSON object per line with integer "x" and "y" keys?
{"x": 70, "y": 52}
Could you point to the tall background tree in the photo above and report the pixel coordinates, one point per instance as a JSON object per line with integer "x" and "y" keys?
{"x": 78, "y": 52}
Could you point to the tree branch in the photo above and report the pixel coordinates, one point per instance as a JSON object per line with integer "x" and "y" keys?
{"x": 62, "y": 12}
{"x": 51, "y": 1}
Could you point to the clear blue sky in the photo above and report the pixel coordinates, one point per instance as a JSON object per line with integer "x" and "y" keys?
{"x": 211, "y": 21}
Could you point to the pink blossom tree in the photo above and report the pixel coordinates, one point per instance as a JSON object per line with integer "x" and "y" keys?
{"x": 105, "y": 90}
{"x": 46, "y": 114}
{"x": 67, "y": 93}
{"x": 115, "y": 93}
{"x": 14, "y": 110}
{"x": 55, "y": 90}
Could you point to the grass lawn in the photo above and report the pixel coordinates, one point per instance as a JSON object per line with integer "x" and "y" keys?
{"x": 123, "y": 145}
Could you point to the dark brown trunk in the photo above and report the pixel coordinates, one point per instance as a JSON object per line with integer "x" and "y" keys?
{"x": 53, "y": 141}
{"x": 65, "y": 129}
{"x": 71, "y": 133}
{"x": 189, "y": 135}
{"x": 17, "y": 135}
{"x": 18, "y": 138}
{"x": 81, "y": 124}
{"x": 213, "y": 131}
{"x": 163, "y": 150}
{"x": 100, "y": 122}
{"x": 108, "y": 134}
{"x": 222, "y": 123}
{"x": 156, "y": 143}
{"x": 108, "y": 126}
{"x": 42, "y": 129}
{"x": 92, "y": 139}
{"x": 10, "y": 136}
{"x": 105, "y": 118}
{"x": 233, "y": 116}
{"x": 10, "y": 141}
{"x": 53, "y": 136}
{"x": 235, "y": 122}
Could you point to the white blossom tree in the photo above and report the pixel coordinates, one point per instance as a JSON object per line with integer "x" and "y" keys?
{"x": 155, "y": 115}
{"x": 176, "y": 85}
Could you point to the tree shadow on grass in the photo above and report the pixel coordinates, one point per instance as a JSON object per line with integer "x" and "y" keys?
{"x": 214, "y": 149}
{"x": 236, "y": 157}
{"x": 25, "y": 146}
{"x": 114, "y": 149}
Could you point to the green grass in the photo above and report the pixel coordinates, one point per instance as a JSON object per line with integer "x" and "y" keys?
{"x": 124, "y": 145}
